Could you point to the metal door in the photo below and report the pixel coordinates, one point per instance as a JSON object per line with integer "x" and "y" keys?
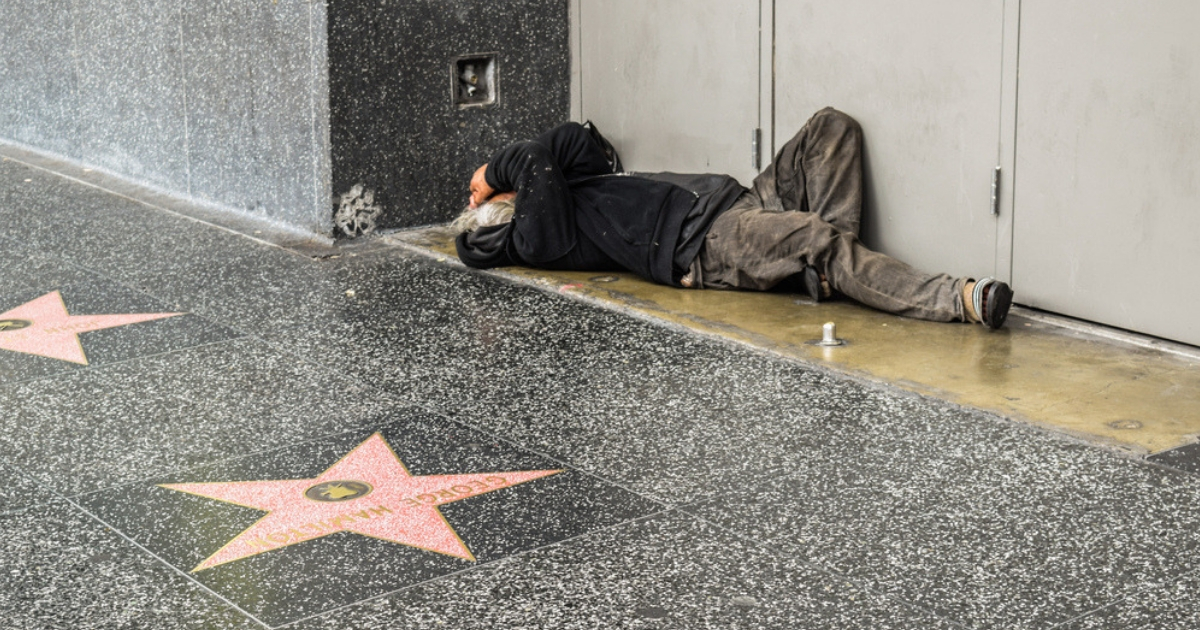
{"x": 674, "y": 84}
{"x": 925, "y": 80}
{"x": 1108, "y": 148}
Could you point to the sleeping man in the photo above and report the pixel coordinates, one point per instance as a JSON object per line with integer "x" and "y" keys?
{"x": 561, "y": 201}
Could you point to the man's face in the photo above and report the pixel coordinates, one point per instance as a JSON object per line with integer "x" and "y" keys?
{"x": 480, "y": 191}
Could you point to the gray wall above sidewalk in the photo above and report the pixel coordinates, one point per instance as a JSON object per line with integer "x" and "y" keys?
{"x": 220, "y": 101}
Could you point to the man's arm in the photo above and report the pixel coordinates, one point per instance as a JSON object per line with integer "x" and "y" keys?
{"x": 481, "y": 190}
{"x": 543, "y": 226}
{"x": 538, "y": 171}
{"x": 485, "y": 247}
{"x": 575, "y": 151}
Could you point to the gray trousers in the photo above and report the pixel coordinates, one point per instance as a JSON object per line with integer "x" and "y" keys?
{"x": 804, "y": 209}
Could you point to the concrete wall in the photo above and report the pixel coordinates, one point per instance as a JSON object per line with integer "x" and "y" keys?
{"x": 394, "y": 128}
{"x": 223, "y": 101}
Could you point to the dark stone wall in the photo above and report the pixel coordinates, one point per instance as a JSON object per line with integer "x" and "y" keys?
{"x": 393, "y": 126}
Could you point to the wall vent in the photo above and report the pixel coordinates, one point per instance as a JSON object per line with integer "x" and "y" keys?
{"x": 475, "y": 80}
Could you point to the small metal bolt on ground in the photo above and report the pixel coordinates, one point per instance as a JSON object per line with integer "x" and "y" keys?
{"x": 829, "y": 337}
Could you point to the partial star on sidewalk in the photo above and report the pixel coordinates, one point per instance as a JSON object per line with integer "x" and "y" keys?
{"x": 368, "y": 492}
{"x": 42, "y": 327}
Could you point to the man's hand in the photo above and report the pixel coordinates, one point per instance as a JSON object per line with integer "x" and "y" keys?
{"x": 480, "y": 191}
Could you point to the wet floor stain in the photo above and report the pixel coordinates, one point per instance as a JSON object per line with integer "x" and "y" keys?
{"x": 1107, "y": 392}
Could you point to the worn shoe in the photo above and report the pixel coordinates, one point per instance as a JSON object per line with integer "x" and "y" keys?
{"x": 816, "y": 288}
{"x": 991, "y": 300}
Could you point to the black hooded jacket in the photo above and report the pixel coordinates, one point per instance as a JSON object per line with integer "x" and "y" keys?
{"x": 573, "y": 212}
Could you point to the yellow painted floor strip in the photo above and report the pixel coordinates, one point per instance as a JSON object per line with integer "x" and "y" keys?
{"x": 1118, "y": 394}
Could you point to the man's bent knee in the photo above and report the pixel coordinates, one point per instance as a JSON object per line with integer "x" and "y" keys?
{"x": 829, "y": 116}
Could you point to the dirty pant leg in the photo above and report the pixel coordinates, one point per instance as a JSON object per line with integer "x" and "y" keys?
{"x": 819, "y": 170}
{"x": 882, "y": 282}
{"x": 751, "y": 248}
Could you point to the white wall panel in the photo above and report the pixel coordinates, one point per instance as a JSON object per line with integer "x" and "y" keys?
{"x": 924, "y": 79}
{"x": 674, "y": 84}
{"x": 1108, "y": 158}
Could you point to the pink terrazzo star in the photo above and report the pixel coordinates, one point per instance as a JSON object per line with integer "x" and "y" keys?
{"x": 44, "y": 328}
{"x": 368, "y": 492}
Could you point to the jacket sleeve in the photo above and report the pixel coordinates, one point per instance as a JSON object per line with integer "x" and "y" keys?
{"x": 485, "y": 248}
{"x": 543, "y": 226}
{"x": 572, "y": 148}
{"x": 575, "y": 150}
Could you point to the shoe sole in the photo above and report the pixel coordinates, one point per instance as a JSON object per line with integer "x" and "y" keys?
{"x": 999, "y": 299}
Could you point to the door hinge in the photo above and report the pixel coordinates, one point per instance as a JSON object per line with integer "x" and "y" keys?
{"x": 755, "y": 152}
{"x": 996, "y": 192}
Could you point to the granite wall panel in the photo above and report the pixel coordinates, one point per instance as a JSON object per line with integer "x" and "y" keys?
{"x": 131, "y": 89}
{"x": 221, "y": 101}
{"x": 250, "y": 106}
{"x": 39, "y": 99}
{"x": 393, "y": 126}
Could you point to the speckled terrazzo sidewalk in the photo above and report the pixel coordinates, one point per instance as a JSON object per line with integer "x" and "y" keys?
{"x": 376, "y": 440}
